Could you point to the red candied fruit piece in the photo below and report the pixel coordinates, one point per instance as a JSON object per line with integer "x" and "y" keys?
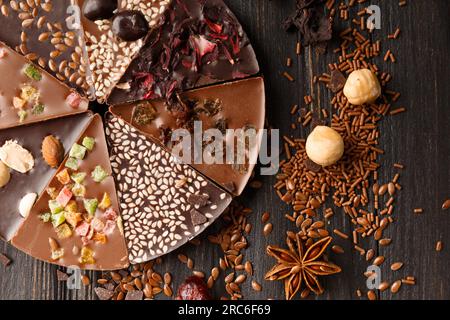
{"x": 109, "y": 227}
{"x": 110, "y": 214}
{"x": 83, "y": 229}
{"x": 74, "y": 100}
{"x": 193, "y": 288}
{"x": 64, "y": 196}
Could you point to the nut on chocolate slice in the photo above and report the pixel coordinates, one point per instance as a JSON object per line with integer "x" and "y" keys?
{"x": 52, "y": 151}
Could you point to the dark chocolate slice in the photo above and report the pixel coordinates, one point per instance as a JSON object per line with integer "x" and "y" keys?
{"x": 200, "y": 42}
{"x": 76, "y": 221}
{"x": 29, "y": 94}
{"x": 153, "y": 188}
{"x": 234, "y": 105}
{"x": 30, "y": 137}
{"x": 47, "y": 33}
{"x": 108, "y": 44}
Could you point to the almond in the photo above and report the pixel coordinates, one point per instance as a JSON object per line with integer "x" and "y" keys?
{"x": 52, "y": 151}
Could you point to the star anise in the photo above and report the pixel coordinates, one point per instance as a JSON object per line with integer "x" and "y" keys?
{"x": 296, "y": 266}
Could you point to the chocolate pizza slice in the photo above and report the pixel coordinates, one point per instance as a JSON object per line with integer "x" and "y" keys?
{"x": 76, "y": 221}
{"x": 48, "y": 33}
{"x": 115, "y": 30}
{"x": 164, "y": 203}
{"x": 29, "y": 94}
{"x": 29, "y": 157}
{"x": 199, "y": 42}
{"x": 227, "y": 108}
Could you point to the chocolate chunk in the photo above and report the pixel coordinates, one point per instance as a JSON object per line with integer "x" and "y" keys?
{"x": 311, "y": 165}
{"x": 99, "y": 9}
{"x": 129, "y": 25}
{"x": 61, "y": 276}
{"x": 197, "y": 218}
{"x": 4, "y": 260}
{"x": 104, "y": 294}
{"x": 337, "y": 81}
{"x": 198, "y": 199}
{"x": 134, "y": 295}
{"x": 200, "y": 42}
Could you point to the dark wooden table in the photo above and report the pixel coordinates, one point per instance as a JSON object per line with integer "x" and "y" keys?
{"x": 419, "y": 139}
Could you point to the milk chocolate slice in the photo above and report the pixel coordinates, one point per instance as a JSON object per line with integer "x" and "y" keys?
{"x": 200, "y": 42}
{"x": 234, "y": 105}
{"x": 46, "y": 32}
{"x": 111, "y": 42}
{"x": 155, "y": 192}
{"x": 76, "y": 221}
{"x": 30, "y": 137}
{"x": 29, "y": 94}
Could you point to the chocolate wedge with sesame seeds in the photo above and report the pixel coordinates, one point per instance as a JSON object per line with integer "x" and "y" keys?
{"x": 77, "y": 220}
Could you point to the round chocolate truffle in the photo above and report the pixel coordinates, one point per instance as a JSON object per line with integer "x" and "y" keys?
{"x": 130, "y": 25}
{"x": 99, "y": 9}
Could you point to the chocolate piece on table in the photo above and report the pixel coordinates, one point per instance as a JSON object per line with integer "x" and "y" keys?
{"x": 29, "y": 94}
{"x": 30, "y": 137}
{"x": 109, "y": 54}
{"x": 83, "y": 214}
{"x": 153, "y": 188}
{"x": 43, "y": 31}
{"x": 199, "y": 43}
{"x": 233, "y": 105}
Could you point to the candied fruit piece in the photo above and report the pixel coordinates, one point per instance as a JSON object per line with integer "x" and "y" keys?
{"x": 64, "y": 196}
{"x": 46, "y": 216}
{"x": 72, "y": 163}
{"x": 73, "y": 218}
{"x": 38, "y": 109}
{"x": 78, "y": 177}
{"x": 54, "y": 206}
{"x": 99, "y": 237}
{"x": 63, "y": 176}
{"x": 58, "y": 219}
{"x": 106, "y": 202}
{"x": 29, "y": 93}
{"x": 77, "y": 151}
{"x": 63, "y": 231}
{"x": 79, "y": 190}
{"x": 73, "y": 100}
{"x": 110, "y": 214}
{"x": 22, "y": 115}
{"x": 71, "y": 206}
{"x": 88, "y": 143}
{"x": 32, "y": 72}
{"x": 57, "y": 253}
{"x": 193, "y": 288}
{"x": 90, "y": 205}
{"x": 99, "y": 174}
{"x": 52, "y": 192}
{"x": 19, "y": 103}
{"x": 83, "y": 229}
{"x": 87, "y": 256}
{"x": 97, "y": 224}
{"x": 109, "y": 227}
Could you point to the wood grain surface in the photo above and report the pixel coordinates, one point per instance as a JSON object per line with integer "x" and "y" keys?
{"x": 419, "y": 139}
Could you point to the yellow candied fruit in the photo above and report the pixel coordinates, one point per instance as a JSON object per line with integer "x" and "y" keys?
{"x": 57, "y": 253}
{"x": 63, "y": 176}
{"x": 73, "y": 217}
{"x": 63, "y": 231}
{"x": 18, "y": 103}
{"x": 71, "y": 206}
{"x": 29, "y": 93}
{"x": 87, "y": 256}
{"x": 52, "y": 192}
{"x": 106, "y": 202}
{"x": 100, "y": 238}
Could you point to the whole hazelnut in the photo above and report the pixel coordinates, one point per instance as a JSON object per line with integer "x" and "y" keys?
{"x": 324, "y": 146}
{"x": 361, "y": 87}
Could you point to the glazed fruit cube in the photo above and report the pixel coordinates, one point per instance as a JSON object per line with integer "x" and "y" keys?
{"x": 77, "y": 151}
{"x": 72, "y": 163}
{"x": 63, "y": 176}
{"x": 99, "y": 174}
{"x": 64, "y": 196}
{"x": 106, "y": 202}
{"x": 90, "y": 205}
{"x": 78, "y": 177}
{"x": 45, "y": 216}
{"x": 109, "y": 227}
{"x": 87, "y": 256}
{"x": 32, "y": 72}
{"x": 73, "y": 100}
{"x": 97, "y": 224}
{"x": 22, "y": 114}
{"x": 52, "y": 192}
{"x": 57, "y": 219}
{"x": 29, "y": 93}
{"x": 79, "y": 190}
{"x": 83, "y": 229}
{"x": 71, "y": 206}
{"x": 73, "y": 218}
{"x": 63, "y": 231}
{"x": 110, "y": 214}
{"x": 38, "y": 109}
{"x": 88, "y": 143}
{"x": 57, "y": 254}
{"x": 54, "y": 206}
{"x": 99, "y": 237}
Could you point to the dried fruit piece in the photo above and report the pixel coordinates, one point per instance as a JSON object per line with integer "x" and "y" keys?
{"x": 71, "y": 206}
{"x": 38, "y": 109}
{"x": 106, "y": 202}
{"x": 90, "y": 205}
{"x": 57, "y": 219}
{"x": 63, "y": 176}
{"x": 88, "y": 143}
{"x": 99, "y": 174}
{"x": 72, "y": 163}
{"x": 79, "y": 190}
{"x": 64, "y": 196}
{"x": 52, "y": 151}
{"x": 78, "y": 177}
{"x": 77, "y": 151}
{"x": 63, "y": 231}
{"x": 32, "y": 72}
{"x": 87, "y": 256}
{"x": 54, "y": 206}
{"x": 73, "y": 218}
{"x": 193, "y": 288}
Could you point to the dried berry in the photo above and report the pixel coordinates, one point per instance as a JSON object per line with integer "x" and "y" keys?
{"x": 193, "y": 288}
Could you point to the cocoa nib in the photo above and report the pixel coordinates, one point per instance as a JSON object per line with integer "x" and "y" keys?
{"x": 311, "y": 21}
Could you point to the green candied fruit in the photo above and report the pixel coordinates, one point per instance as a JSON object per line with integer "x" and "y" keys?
{"x": 72, "y": 163}
{"x": 54, "y": 206}
{"x": 32, "y": 72}
{"x": 58, "y": 219}
{"x": 45, "y": 216}
{"x": 79, "y": 190}
{"x": 88, "y": 143}
{"x": 78, "y": 177}
{"x": 90, "y": 205}
{"x": 38, "y": 109}
{"x": 77, "y": 151}
{"x": 99, "y": 174}
{"x": 22, "y": 115}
